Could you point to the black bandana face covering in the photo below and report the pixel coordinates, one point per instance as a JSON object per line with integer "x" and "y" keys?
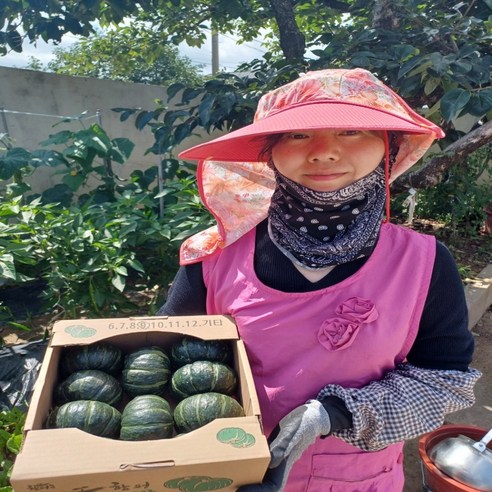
{"x": 319, "y": 229}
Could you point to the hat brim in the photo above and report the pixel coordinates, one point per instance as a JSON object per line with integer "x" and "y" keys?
{"x": 246, "y": 143}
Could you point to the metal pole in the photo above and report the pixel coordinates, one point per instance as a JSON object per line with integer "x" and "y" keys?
{"x": 4, "y": 121}
{"x": 215, "y": 51}
{"x": 161, "y": 187}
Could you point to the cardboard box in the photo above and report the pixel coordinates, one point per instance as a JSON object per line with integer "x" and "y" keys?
{"x": 66, "y": 460}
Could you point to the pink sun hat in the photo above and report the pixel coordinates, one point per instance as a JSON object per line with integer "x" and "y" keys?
{"x": 337, "y": 98}
{"x": 236, "y": 184}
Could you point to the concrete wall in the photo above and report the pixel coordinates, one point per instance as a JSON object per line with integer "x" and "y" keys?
{"x": 28, "y": 91}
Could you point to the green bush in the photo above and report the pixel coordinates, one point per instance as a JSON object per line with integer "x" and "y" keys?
{"x": 11, "y": 425}
{"x": 91, "y": 255}
{"x": 94, "y": 250}
{"x": 459, "y": 199}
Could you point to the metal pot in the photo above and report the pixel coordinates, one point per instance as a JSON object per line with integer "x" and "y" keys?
{"x": 465, "y": 460}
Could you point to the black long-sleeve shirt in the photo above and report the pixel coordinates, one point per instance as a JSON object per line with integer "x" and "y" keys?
{"x": 443, "y": 340}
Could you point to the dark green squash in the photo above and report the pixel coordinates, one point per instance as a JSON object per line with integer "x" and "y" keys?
{"x": 190, "y": 349}
{"x": 94, "y": 417}
{"x": 101, "y": 356}
{"x": 198, "y": 410}
{"x": 146, "y": 417}
{"x": 146, "y": 371}
{"x": 89, "y": 384}
{"x": 203, "y": 377}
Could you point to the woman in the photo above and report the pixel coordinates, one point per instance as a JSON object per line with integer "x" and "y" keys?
{"x": 356, "y": 329}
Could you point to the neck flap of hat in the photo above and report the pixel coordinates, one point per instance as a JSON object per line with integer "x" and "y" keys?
{"x": 238, "y": 193}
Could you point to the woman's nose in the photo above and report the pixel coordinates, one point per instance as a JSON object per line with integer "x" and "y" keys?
{"x": 324, "y": 148}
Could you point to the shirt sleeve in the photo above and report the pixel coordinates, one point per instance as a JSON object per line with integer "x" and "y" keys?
{"x": 443, "y": 340}
{"x": 406, "y": 403}
{"x": 187, "y": 295}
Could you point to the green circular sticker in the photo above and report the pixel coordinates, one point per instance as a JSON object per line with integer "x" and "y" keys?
{"x": 80, "y": 331}
{"x": 198, "y": 483}
{"x": 236, "y": 437}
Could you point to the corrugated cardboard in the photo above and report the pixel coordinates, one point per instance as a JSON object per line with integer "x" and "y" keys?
{"x": 66, "y": 460}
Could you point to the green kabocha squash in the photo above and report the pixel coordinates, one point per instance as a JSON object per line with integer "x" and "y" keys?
{"x": 94, "y": 417}
{"x": 101, "y": 356}
{"x": 146, "y": 371}
{"x": 89, "y": 384}
{"x": 190, "y": 349}
{"x": 146, "y": 417}
{"x": 203, "y": 377}
{"x": 198, "y": 410}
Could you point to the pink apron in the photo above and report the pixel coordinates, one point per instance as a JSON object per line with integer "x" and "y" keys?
{"x": 349, "y": 334}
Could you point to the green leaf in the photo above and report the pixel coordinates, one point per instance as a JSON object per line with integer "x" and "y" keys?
{"x": 13, "y": 161}
{"x": 7, "y": 267}
{"x": 58, "y": 138}
{"x": 50, "y": 158}
{"x": 98, "y": 296}
{"x": 181, "y": 132}
{"x": 143, "y": 118}
{"x": 136, "y": 265}
{"x": 409, "y": 65}
{"x": 205, "y": 108}
{"x": 173, "y": 89}
{"x": 74, "y": 182}
{"x": 19, "y": 326}
{"x": 403, "y": 51}
{"x": 121, "y": 270}
{"x": 169, "y": 168}
{"x": 14, "y": 40}
{"x": 125, "y": 113}
{"x": 431, "y": 85}
{"x": 122, "y": 149}
{"x": 60, "y": 193}
{"x": 453, "y": 102}
{"x": 480, "y": 103}
{"x": 189, "y": 94}
{"x": 227, "y": 101}
{"x": 171, "y": 116}
{"x": 119, "y": 282}
{"x": 96, "y": 138}
{"x": 439, "y": 64}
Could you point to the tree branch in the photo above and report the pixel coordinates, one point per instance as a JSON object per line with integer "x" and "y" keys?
{"x": 336, "y": 5}
{"x": 384, "y": 16}
{"x": 292, "y": 41}
{"x": 432, "y": 172}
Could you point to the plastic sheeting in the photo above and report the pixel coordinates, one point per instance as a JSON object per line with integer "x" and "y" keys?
{"x": 19, "y": 368}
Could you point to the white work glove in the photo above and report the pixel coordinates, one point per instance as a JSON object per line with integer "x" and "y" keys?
{"x": 297, "y": 431}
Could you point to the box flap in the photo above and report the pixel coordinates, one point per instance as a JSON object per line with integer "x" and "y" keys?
{"x": 86, "y": 331}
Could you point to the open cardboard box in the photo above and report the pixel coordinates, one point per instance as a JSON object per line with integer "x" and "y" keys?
{"x": 72, "y": 460}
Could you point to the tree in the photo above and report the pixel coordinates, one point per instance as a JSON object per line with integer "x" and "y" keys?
{"x": 437, "y": 55}
{"x": 133, "y": 53}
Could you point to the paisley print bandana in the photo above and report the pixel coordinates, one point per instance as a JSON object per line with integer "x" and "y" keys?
{"x": 319, "y": 229}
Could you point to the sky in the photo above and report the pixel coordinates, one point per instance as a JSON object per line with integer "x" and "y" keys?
{"x": 231, "y": 54}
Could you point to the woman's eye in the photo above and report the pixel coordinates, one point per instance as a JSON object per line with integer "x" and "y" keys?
{"x": 297, "y": 136}
{"x": 350, "y": 132}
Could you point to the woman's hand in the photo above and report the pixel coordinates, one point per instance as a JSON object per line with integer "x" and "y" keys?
{"x": 296, "y": 432}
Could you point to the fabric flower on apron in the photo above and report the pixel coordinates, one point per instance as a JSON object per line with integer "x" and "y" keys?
{"x": 339, "y": 333}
